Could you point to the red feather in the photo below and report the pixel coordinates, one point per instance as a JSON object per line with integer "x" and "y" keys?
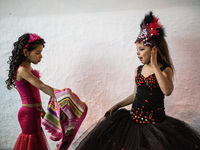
{"x": 153, "y": 26}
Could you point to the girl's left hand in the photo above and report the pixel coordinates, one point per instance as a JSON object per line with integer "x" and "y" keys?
{"x": 43, "y": 113}
{"x": 154, "y": 62}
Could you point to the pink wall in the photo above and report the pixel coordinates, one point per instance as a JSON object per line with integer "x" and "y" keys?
{"x": 89, "y": 48}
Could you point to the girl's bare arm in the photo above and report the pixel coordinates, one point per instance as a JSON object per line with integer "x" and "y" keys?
{"x": 27, "y": 75}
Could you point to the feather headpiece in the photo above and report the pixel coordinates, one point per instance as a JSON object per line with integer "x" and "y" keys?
{"x": 32, "y": 37}
{"x": 150, "y": 29}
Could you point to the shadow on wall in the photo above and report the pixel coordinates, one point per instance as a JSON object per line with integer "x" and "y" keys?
{"x": 185, "y": 106}
{"x": 197, "y": 125}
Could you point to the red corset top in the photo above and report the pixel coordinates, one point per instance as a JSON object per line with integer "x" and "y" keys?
{"x": 29, "y": 94}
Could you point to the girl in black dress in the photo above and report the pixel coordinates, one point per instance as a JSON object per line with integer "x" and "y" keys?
{"x": 145, "y": 126}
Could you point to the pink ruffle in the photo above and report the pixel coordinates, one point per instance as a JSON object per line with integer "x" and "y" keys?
{"x": 31, "y": 142}
{"x": 36, "y": 73}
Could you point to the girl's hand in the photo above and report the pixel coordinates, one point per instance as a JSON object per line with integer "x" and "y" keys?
{"x": 43, "y": 113}
{"x": 111, "y": 110}
{"x": 154, "y": 62}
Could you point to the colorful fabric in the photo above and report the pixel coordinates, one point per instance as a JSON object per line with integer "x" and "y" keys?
{"x": 64, "y": 116}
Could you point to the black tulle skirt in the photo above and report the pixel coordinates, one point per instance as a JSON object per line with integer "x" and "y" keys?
{"x": 120, "y": 132}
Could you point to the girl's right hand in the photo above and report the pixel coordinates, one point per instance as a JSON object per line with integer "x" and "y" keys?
{"x": 111, "y": 111}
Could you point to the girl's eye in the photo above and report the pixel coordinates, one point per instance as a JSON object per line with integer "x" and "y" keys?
{"x": 141, "y": 49}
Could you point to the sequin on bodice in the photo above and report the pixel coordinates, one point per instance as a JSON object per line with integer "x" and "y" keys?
{"x": 148, "y": 106}
{"x": 29, "y": 94}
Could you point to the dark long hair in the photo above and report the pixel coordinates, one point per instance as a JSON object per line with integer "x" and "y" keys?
{"x": 163, "y": 55}
{"x": 17, "y": 57}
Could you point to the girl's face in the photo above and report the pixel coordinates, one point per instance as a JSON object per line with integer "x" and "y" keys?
{"x": 143, "y": 53}
{"x": 35, "y": 55}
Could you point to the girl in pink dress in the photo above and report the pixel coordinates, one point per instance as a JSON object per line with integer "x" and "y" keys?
{"x": 27, "y": 50}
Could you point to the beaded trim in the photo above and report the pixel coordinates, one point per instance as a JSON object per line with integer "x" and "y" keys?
{"x": 142, "y": 116}
{"x": 150, "y": 81}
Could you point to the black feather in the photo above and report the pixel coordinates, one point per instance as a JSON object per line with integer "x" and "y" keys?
{"x": 148, "y": 19}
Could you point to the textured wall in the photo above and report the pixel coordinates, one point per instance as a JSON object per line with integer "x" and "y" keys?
{"x": 89, "y": 48}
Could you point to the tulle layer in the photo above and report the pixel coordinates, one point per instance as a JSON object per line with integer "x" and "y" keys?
{"x": 120, "y": 132}
{"x": 31, "y": 142}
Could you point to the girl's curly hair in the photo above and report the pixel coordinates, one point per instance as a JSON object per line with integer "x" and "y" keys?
{"x": 18, "y": 57}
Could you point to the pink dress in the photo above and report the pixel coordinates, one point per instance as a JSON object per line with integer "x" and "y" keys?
{"x": 32, "y": 136}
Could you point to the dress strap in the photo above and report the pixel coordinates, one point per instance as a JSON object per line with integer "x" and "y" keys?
{"x": 163, "y": 68}
{"x": 21, "y": 66}
{"x": 139, "y": 69}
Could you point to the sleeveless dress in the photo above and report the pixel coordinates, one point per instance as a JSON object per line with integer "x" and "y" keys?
{"x": 144, "y": 127}
{"x": 32, "y": 136}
